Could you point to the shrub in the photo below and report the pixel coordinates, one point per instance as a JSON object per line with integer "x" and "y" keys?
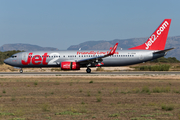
{"x": 13, "y": 98}
{"x": 161, "y": 89}
{"x": 163, "y": 67}
{"x": 80, "y": 90}
{"x": 36, "y": 83}
{"x": 156, "y": 90}
{"x": 145, "y": 89}
{"x": 56, "y": 83}
{"x": 114, "y": 115}
{"x": 166, "y": 60}
{"x": 116, "y": 90}
{"x": 4, "y": 91}
{"x": 99, "y": 99}
{"x": 136, "y": 90}
{"x": 167, "y": 107}
{"x": 68, "y": 113}
{"x": 91, "y": 81}
{"x": 82, "y": 103}
{"x": 45, "y": 107}
{"x": 99, "y": 69}
{"x": 88, "y": 93}
{"x": 56, "y": 69}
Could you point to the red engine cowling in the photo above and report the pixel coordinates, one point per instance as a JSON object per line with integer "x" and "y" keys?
{"x": 70, "y": 66}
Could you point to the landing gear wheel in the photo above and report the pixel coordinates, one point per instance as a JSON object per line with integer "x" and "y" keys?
{"x": 21, "y": 71}
{"x": 88, "y": 70}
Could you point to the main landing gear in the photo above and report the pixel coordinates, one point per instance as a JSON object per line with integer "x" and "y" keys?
{"x": 88, "y": 70}
{"x": 21, "y": 70}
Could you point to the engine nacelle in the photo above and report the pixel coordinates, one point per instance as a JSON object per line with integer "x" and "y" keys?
{"x": 70, "y": 65}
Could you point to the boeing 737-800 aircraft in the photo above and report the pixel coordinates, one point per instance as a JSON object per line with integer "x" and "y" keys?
{"x": 73, "y": 60}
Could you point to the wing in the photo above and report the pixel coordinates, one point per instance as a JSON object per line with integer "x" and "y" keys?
{"x": 99, "y": 58}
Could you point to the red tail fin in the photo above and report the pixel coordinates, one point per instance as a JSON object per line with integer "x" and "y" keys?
{"x": 157, "y": 40}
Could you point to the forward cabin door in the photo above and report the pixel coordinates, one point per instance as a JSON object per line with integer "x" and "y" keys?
{"x": 24, "y": 57}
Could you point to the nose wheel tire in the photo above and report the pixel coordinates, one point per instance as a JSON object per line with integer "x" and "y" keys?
{"x": 88, "y": 70}
{"x": 21, "y": 71}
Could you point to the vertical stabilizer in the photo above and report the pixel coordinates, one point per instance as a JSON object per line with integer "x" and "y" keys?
{"x": 157, "y": 40}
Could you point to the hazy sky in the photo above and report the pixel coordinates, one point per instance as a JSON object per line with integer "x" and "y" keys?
{"x": 61, "y": 23}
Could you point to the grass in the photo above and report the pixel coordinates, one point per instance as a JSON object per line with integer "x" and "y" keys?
{"x": 68, "y": 113}
{"x": 114, "y": 97}
{"x": 56, "y": 83}
{"x": 6, "y": 114}
{"x": 18, "y": 119}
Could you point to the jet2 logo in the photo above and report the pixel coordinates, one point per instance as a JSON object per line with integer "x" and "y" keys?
{"x": 156, "y": 34}
{"x": 37, "y": 59}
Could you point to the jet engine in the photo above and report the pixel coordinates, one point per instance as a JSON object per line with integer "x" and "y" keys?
{"x": 70, "y": 65}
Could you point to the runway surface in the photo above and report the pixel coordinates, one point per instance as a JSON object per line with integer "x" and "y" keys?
{"x": 92, "y": 73}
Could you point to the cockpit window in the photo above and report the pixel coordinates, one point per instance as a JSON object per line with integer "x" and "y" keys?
{"x": 13, "y": 56}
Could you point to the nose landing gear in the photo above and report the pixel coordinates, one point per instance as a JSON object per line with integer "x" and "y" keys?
{"x": 21, "y": 70}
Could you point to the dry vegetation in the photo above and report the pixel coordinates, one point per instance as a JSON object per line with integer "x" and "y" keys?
{"x": 90, "y": 97}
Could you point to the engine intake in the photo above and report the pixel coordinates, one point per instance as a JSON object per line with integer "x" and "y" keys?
{"x": 70, "y": 66}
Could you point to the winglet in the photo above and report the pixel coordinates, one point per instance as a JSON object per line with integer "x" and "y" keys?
{"x": 113, "y": 50}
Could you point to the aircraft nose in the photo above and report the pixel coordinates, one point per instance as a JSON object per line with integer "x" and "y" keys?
{"x": 6, "y": 61}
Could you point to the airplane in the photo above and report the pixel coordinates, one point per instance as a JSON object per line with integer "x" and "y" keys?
{"x": 152, "y": 49}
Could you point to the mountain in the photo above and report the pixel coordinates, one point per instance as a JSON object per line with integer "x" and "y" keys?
{"x": 25, "y": 47}
{"x": 172, "y": 42}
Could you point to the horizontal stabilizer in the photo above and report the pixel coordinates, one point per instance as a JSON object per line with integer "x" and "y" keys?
{"x": 162, "y": 51}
